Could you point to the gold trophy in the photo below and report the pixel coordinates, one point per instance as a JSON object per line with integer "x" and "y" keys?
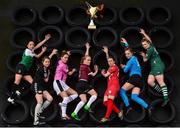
{"x": 92, "y": 12}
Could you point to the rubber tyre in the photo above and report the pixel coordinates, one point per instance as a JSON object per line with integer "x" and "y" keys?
{"x": 170, "y": 108}
{"x": 21, "y": 36}
{"x": 22, "y": 118}
{"x": 161, "y": 37}
{"x": 105, "y": 36}
{"x": 51, "y": 14}
{"x": 153, "y": 14}
{"x": 56, "y": 34}
{"x": 131, "y": 16}
{"x": 77, "y": 37}
{"x": 24, "y": 16}
{"x": 77, "y": 16}
{"x": 132, "y": 35}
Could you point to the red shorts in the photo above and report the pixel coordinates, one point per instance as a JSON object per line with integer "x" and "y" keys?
{"x": 112, "y": 88}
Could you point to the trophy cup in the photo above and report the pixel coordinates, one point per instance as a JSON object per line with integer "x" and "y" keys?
{"x": 92, "y": 12}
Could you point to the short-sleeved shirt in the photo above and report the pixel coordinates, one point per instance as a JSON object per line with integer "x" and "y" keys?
{"x": 40, "y": 75}
{"x": 61, "y": 71}
{"x": 84, "y": 71}
{"x": 153, "y": 56}
{"x": 27, "y": 58}
{"x": 114, "y": 73}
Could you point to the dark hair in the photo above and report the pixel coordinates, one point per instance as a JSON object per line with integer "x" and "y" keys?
{"x": 83, "y": 58}
{"x": 64, "y": 53}
{"x": 110, "y": 57}
{"x": 45, "y": 57}
{"x": 29, "y": 42}
{"x": 129, "y": 49}
{"x": 145, "y": 39}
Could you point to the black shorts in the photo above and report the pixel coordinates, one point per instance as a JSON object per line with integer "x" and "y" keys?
{"x": 135, "y": 80}
{"x": 82, "y": 87}
{"x": 37, "y": 88}
{"x": 21, "y": 69}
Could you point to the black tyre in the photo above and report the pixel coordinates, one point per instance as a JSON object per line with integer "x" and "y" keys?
{"x": 136, "y": 115}
{"x": 57, "y": 36}
{"x": 168, "y": 60}
{"x": 159, "y": 15}
{"x": 51, "y": 14}
{"x": 131, "y": 16}
{"x": 99, "y": 112}
{"x": 24, "y": 86}
{"x": 49, "y": 113}
{"x": 77, "y": 37}
{"x": 100, "y": 84}
{"x": 161, "y": 37}
{"x": 15, "y": 113}
{"x": 109, "y": 17}
{"x": 132, "y": 35}
{"x": 77, "y": 16}
{"x": 170, "y": 85}
{"x": 21, "y": 36}
{"x": 100, "y": 59}
{"x": 13, "y": 59}
{"x": 105, "y": 36}
{"x": 24, "y": 16}
{"x": 162, "y": 115}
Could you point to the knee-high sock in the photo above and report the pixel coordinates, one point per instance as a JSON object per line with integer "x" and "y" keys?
{"x": 165, "y": 92}
{"x": 91, "y": 100}
{"x": 72, "y": 97}
{"x": 63, "y": 105}
{"x": 36, "y": 112}
{"x": 157, "y": 87}
{"x": 115, "y": 109}
{"x": 79, "y": 106}
{"x": 45, "y": 105}
{"x": 109, "y": 108}
{"x": 136, "y": 98}
{"x": 124, "y": 97}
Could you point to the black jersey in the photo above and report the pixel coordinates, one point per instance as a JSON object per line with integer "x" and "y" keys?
{"x": 40, "y": 75}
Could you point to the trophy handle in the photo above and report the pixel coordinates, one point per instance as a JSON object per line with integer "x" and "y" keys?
{"x": 89, "y": 6}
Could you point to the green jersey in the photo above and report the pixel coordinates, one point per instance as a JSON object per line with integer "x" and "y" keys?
{"x": 157, "y": 66}
{"x": 27, "y": 58}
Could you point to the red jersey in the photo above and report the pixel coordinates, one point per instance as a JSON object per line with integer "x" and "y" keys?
{"x": 84, "y": 71}
{"x": 113, "y": 81}
{"x": 114, "y": 73}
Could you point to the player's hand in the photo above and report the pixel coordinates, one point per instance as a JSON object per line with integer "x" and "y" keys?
{"x": 105, "y": 49}
{"x": 122, "y": 65}
{"x": 87, "y": 45}
{"x": 143, "y": 54}
{"x": 44, "y": 49}
{"x": 142, "y": 31}
{"x": 48, "y": 36}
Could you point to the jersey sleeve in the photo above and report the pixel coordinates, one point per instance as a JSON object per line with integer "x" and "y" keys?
{"x": 29, "y": 53}
{"x": 128, "y": 65}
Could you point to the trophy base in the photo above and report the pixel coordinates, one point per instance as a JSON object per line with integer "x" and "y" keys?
{"x": 91, "y": 27}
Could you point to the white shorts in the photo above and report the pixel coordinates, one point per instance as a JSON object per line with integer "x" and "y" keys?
{"x": 60, "y": 86}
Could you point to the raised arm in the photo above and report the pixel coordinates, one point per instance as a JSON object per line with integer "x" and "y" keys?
{"x": 124, "y": 43}
{"x": 47, "y": 37}
{"x": 41, "y": 53}
{"x": 145, "y": 35}
{"x": 95, "y": 71}
{"x": 87, "y": 49}
{"x": 54, "y": 52}
{"x": 105, "y": 49}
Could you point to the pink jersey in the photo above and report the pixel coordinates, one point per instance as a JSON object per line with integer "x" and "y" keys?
{"x": 61, "y": 71}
